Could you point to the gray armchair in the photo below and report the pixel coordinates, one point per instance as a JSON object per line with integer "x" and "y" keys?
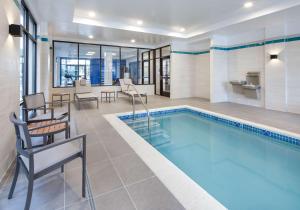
{"x": 36, "y": 162}
{"x": 37, "y": 102}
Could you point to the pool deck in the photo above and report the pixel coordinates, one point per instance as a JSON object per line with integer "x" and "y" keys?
{"x": 118, "y": 178}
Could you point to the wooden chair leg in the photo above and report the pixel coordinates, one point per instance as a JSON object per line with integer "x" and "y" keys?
{"x": 62, "y": 169}
{"x": 29, "y": 193}
{"x": 14, "y": 182}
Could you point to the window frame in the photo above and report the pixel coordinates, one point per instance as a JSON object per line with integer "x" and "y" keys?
{"x": 100, "y": 45}
{"x": 27, "y": 37}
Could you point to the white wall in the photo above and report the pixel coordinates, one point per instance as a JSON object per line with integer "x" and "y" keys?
{"x": 9, "y": 79}
{"x": 292, "y": 56}
{"x": 183, "y": 82}
{"x": 202, "y": 75}
{"x": 189, "y": 75}
{"x": 218, "y": 76}
{"x": 282, "y": 77}
{"x": 239, "y": 63}
{"x": 275, "y": 79}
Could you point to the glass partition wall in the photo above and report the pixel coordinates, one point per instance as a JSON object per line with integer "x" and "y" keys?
{"x": 100, "y": 64}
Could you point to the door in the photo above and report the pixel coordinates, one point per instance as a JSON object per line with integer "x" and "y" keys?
{"x": 165, "y": 76}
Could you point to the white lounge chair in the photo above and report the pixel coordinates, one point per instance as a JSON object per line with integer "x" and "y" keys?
{"x": 83, "y": 92}
{"x": 127, "y": 89}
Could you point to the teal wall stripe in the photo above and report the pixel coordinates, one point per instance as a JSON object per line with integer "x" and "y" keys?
{"x": 17, "y": 3}
{"x": 191, "y": 53}
{"x": 258, "y": 44}
{"x": 44, "y": 39}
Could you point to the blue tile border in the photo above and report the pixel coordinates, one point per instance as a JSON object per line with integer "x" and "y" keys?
{"x": 239, "y": 125}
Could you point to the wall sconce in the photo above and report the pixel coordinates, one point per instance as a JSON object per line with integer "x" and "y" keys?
{"x": 273, "y": 57}
{"x": 15, "y": 30}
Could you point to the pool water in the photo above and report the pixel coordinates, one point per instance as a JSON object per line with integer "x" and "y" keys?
{"x": 241, "y": 169}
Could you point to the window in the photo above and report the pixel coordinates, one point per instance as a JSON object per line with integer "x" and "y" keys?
{"x": 143, "y": 65}
{"x": 99, "y": 64}
{"x": 65, "y": 62}
{"x": 89, "y": 63}
{"x": 27, "y": 52}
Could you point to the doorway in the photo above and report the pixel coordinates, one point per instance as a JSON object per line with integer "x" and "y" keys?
{"x": 165, "y": 76}
{"x": 162, "y": 71}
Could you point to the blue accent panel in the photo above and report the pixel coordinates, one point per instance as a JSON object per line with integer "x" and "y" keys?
{"x": 243, "y": 126}
{"x": 95, "y": 71}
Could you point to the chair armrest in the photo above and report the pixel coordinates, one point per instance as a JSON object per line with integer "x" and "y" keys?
{"x": 50, "y": 146}
{"x": 40, "y": 108}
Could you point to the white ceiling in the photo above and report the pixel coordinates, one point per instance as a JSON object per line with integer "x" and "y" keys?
{"x": 116, "y": 20}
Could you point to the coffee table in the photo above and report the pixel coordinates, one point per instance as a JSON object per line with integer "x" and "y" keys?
{"x": 108, "y": 95}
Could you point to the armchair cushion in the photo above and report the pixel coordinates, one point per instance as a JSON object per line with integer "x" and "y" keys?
{"x": 50, "y": 157}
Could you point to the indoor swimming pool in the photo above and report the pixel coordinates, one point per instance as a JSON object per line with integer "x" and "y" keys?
{"x": 242, "y": 166}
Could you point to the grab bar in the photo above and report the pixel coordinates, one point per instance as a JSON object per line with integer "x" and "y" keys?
{"x": 133, "y": 105}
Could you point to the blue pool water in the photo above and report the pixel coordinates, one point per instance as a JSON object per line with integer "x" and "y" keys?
{"x": 241, "y": 169}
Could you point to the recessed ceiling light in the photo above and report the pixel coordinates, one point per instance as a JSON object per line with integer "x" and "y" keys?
{"x": 132, "y": 41}
{"x": 92, "y": 14}
{"x": 91, "y": 36}
{"x": 139, "y": 22}
{"x": 182, "y": 29}
{"x": 248, "y": 4}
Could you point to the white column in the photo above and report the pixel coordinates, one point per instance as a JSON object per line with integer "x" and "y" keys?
{"x": 218, "y": 71}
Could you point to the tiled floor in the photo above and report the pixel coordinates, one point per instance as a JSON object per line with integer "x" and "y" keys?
{"x": 117, "y": 177}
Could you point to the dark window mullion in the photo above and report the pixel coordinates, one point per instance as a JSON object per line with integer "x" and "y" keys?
{"x": 120, "y": 60}
{"x": 77, "y": 62}
{"x": 143, "y": 68}
{"x": 149, "y": 67}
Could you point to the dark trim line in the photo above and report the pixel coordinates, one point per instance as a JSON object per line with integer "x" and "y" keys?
{"x": 104, "y": 45}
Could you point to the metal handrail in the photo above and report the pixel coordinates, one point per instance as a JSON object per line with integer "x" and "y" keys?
{"x": 133, "y": 105}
